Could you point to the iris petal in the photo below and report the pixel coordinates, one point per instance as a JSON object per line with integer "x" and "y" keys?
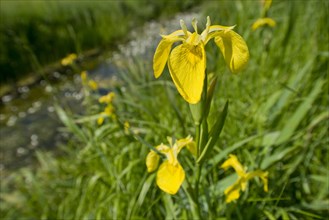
{"x": 182, "y": 143}
{"x": 162, "y": 52}
{"x": 263, "y": 175}
{"x": 234, "y": 162}
{"x": 262, "y": 22}
{"x": 187, "y": 69}
{"x": 152, "y": 161}
{"x": 170, "y": 177}
{"x": 161, "y": 56}
{"x": 234, "y": 50}
{"x": 232, "y": 192}
{"x": 213, "y": 31}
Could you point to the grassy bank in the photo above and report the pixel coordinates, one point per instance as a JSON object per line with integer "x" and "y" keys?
{"x": 277, "y": 121}
{"x": 36, "y": 33}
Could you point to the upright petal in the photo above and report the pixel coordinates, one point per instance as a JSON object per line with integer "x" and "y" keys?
{"x": 187, "y": 64}
{"x": 213, "y": 31}
{"x": 182, "y": 143}
{"x": 234, "y": 50}
{"x": 234, "y": 162}
{"x": 170, "y": 177}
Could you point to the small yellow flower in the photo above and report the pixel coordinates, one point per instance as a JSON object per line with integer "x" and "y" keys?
{"x": 187, "y": 61}
{"x": 108, "y": 112}
{"x": 170, "y": 175}
{"x": 233, "y": 192}
{"x": 92, "y": 84}
{"x": 84, "y": 77}
{"x": 69, "y": 59}
{"x": 107, "y": 98}
{"x": 126, "y": 126}
{"x": 100, "y": 120}
{"x": 262, "y": 22}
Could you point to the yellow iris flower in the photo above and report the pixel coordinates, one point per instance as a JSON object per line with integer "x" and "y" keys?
{"x": 109, "y": 109}
{"x": 126, "y": 126}
{"x": 170, "y": 175}
{"x": 233, "y": 192}
{"x": 84, "y": 77}
{"x": 187, "y": 61}
{"x": 264, "y": 21}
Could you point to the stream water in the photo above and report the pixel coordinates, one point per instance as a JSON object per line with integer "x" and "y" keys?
{"x": 29, "y": 122}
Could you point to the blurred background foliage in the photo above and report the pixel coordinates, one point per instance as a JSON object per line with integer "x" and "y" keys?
{"x": 277, "y": 121}
{"x": 34, "y": 33}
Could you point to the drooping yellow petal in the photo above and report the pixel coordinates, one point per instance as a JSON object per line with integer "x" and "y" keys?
{"x": 262, "y": 22}
{"x": 243, "y": 183}
{"x": 187, "y": 68}
{"x": 232, "y": 192}
{"x": 162, "y": 52}
{"x": 152, "y": 161}
{"x": 213, "y": 31}
{"x": 234, "y": 50}
{"x": 214, "y": 28}
{"x": 170, "y": 177}
{"x": 152, "y": 158}
{"x": 263, "y": 175}
{"x": 161, "y": 56}
{"x": 234, "y": 162}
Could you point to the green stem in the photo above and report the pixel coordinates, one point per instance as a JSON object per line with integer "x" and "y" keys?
{"x": 193, "y": 203}
{"x": 196, "y": 188}
{"x": 197, "y": 138}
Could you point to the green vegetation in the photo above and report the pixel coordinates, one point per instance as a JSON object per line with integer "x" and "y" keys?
{"x": 277, "y": 121}
{"x": 34, "y": 33}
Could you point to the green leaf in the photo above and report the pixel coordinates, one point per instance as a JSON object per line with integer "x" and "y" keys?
{"x": 146, "y": 186}
{"x": 210, "y": 94}
{"x": 170, "y": 207}
{"x": 70, "y": 124}
{"x": 284, "y": 214}
{"x": 279, "y": 155}
{"x": 214, "y": 134}
{"x": 299, "y": 114}
{"x": 269, "y": 215}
